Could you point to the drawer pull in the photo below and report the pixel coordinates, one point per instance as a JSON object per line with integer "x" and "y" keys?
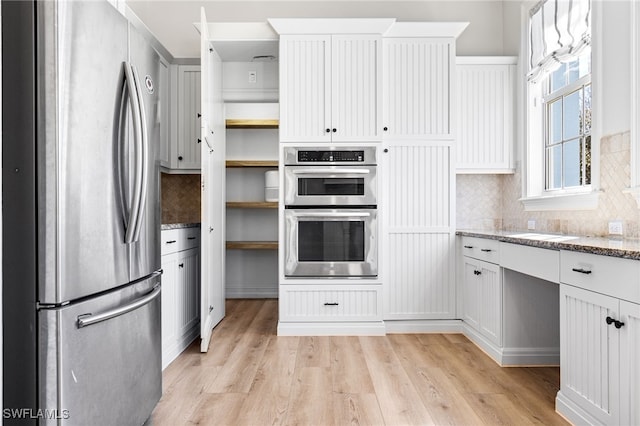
{"x": 331, "y": 304}
{"x": 469, "y": 247}
{"x": 580, "y": 270}
{"x": 486, "y": 250}
{"x": 171, "y": 242}
{"x": 616, "y": 323}
{"x": 191, "y": 238}
{"x": 181, "y": 265}
{"x": 476, "y": 272}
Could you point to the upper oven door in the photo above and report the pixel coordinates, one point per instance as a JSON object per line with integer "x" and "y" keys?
{"x": 330, "y": 186}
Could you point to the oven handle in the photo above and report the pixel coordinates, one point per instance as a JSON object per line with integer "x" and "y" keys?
{"x": 332, "y": 214}
{"x": 332, "y": 172}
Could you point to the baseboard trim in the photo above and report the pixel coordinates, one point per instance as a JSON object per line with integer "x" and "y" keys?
{"x": 169, "y": 355}
{"x": 572, "y": 412}
{"x": 331, "y": 329}
{"x": 251, "y": 293}
{"x": 423, "y": 326}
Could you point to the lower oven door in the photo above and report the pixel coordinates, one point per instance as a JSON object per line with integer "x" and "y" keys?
{"x": 331, "y": 243}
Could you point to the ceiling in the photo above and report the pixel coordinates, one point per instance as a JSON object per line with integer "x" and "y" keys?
{"x": 172, "y": 21}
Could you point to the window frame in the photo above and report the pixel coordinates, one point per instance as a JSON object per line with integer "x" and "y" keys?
{"x": 535, "y": 197}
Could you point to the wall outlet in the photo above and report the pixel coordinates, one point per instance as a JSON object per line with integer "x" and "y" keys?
{"x": 531, "y": 224}
{"x": 253, "y": 76}
{"x": 615, "y": 227}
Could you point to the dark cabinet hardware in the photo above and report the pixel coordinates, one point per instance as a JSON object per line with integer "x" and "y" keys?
{"x": 582, "y": 271}
{"x": 469, "y": 247}
{"x": 334, "y": 130}
{"x": 181, "y": 265}
{"x": 171, "y": 241}
{"x": 617, "y": 324}
{"x": 180, "y": 158}
{"x": 331, "y": 304}
{"x": 199, "y": 140}
{"x": 210, "y": 308}
{"x": 476, "y": 272}
{"x": 385, "y": 150}
{"x": 191, "y": 238}
{"x": 328, "y": 130}
{"x": 486, "y": 250}
{"x": 199, "y": 115}
{"x": 385, "y": 128}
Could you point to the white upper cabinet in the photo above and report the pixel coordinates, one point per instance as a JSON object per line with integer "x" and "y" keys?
{"x": 329, "y": 88}
{"x": 188, "y": 154}
{"x": 485, "y": 88}
{"x": 417, "y": 88}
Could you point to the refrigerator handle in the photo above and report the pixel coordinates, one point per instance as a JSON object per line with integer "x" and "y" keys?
{"x": 122, "y": 163}
{"x": 90, "y": 319}
{"x": 137, "y": 129}
{"x": 143, "y": 164}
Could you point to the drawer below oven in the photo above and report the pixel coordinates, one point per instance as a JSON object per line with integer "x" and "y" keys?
{"x": 326, "y": 303}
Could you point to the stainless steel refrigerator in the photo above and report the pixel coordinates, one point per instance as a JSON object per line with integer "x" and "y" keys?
{"x": 81, "y": 216}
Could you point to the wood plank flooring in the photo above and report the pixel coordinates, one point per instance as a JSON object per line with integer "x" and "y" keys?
{"x": 250, "y": 376}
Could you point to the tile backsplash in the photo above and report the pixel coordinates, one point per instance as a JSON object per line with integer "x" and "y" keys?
{"x": 492, "y": 201}
{"x": 180, "y": 198}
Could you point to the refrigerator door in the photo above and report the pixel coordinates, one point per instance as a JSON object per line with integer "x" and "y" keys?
{"x": 100, "y": 359}
{"x": 145, "y": 250}
{"x": 83, "y": 46}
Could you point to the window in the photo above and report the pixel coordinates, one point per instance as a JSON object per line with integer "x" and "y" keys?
{"x": 567, "y": 136}
{"x": 559, "y": 156}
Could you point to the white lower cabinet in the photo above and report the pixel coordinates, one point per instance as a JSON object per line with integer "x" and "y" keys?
{"x": 180, "y": 292}
{"x": 483, "y": 298}
{"x": 600, "y": 344}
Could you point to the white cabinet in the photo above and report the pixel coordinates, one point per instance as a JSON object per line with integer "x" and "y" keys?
{"x": 180, "y": 291}
{"x": 329, "y": 88}
{"x": 599, "y": 338}
{"x": 183, "y": 152}
{"x": 418, "y": 242}
{"x": 482, "y": 290}
{"x": 301, "y": 303}
{"x": 417, "y": 88}
{"x": 485, "y": 104}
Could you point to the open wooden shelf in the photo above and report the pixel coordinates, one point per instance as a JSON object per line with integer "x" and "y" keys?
{"x": 241, "y": 123}
{"x": 251, "y": 163}
{"x": 252, "y": 245}
{"x": 252, "y": 205}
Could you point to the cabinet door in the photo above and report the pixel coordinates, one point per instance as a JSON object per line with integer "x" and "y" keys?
{"x": 490, "y": 300}
{"x": 484, "y": 117}
{"x": 168, "y": 305}
{"x": 471, "y": 293}
{"x": 418, "y": 246}
{"x": 187, "y": 294}
{"x": 589, "y": 353}
{"x": 629, "y": 365}
{"x": 165, "y": 116}
{"x": 188, "y": 117}
{"x": 305, "y": 88}
{"x": 417, "y": 88}
{"x": 356, "y": 63}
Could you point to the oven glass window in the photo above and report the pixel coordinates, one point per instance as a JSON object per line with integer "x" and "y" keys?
{"x": 331, "y": 186}
{"x": 331, "y": 241}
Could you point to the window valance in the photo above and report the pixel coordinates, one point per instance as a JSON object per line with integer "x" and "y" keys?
{"x": 558, "y": 31}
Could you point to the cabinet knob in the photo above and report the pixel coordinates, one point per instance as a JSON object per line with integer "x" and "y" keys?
{"x": 328, "y": 130}
{"x": 385, "y": 128}
{"x": 385, "y": 150}
{"x": 181, "y": 265}
{"x": 199, "y": 140}
{"x": 180, "y": 158}
{"x": 334, "y": 130}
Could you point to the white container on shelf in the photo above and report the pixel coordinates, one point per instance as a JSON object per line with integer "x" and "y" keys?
{"x": 271, "y": 186}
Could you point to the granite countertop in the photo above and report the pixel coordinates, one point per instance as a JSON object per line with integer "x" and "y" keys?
{"x": 628, "y": 249}
{"x": 166, "y": 226}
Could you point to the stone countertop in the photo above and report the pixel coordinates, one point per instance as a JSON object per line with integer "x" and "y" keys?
{"x": 628, "y": 249}
{"x": 166, "y": 226}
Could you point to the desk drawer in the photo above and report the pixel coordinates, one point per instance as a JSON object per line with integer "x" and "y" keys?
{"x": 190, "y": 238}
{"x": 170, "y": 241}
{"x": 612, "y": 276}
{"x": 302, "y": 303}
{"x": 537, "y": 262}
{"x": 482, "y": 249}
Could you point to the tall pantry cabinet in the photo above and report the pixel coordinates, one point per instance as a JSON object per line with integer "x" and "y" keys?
{"x": 417, "y": 171}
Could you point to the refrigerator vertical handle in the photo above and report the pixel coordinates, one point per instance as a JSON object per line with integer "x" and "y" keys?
{"x": 143, "y": 164}
{"x": 137, "y": 130}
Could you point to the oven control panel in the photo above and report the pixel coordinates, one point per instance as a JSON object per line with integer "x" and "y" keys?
{"x": 317, "y": 155}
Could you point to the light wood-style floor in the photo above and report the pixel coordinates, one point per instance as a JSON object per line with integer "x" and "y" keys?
{"x": 250, "y": 376}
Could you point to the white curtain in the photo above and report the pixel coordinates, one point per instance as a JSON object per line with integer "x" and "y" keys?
{"x": 558, "y": 31}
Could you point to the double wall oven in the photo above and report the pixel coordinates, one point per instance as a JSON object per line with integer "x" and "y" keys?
{"x": 330, "y": 197}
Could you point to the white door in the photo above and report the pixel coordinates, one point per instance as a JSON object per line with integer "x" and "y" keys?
{"x": 629, "y": 365}
{"x": 589, "y": 352}
{"x": 490, "y": 301}
{"x": 189, "y": 122}
{"x": 470, "y": 293}
{"x": 213, "y": 189}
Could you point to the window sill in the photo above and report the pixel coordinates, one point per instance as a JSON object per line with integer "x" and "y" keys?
{"x": 565, "y": 201}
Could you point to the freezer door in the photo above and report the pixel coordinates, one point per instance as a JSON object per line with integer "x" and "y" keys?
{"x": 145, "y": 251}
{"x": 83, "y": 46}
{"x": 100, "y": 360}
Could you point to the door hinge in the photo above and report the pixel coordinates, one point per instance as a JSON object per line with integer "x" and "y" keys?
{"x": 210, "y": 229}
{"x": 210, "y": 308}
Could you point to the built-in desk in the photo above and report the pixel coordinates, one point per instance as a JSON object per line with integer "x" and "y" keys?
{"x": 585, "y": 291}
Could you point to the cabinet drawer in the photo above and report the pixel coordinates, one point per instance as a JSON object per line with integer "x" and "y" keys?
{"x": 537, "y": 262}
{"x": 190, "y": 238}
{"x": 481, "y": 248}
{"x": 344, "y": 303}
{"x": 170, "y": 240}
{"x": 612, "y": 276}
